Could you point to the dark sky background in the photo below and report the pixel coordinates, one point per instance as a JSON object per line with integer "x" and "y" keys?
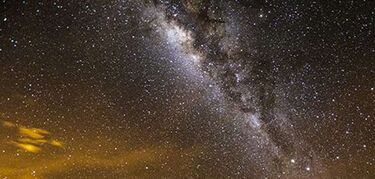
{"x": 187, "y": 89}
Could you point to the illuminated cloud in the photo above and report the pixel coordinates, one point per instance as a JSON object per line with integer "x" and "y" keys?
{"x": 33, "y": 133}
{"x": 8, "y": 124}
{"x": 28, "y": 147}
{"x": 31, "y": 139}
{"x": 56, "y": 143}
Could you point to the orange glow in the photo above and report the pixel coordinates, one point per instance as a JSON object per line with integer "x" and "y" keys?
{"x": 31, "y": 139}
{"x": 28, "y": 147}
{"x": 34, "y": 133}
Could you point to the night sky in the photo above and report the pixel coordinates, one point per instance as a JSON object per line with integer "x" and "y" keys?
{"x": 187, "y": 89}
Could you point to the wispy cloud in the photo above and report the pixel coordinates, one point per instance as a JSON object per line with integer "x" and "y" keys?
{"x": 31, "y": 139}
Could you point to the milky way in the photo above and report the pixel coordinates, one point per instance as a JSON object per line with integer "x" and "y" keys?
{"x": 187, "y": 89}
{"x": 266, "y": 124}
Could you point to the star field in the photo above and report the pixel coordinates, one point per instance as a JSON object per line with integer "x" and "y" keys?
{"x": 187, "y": 89}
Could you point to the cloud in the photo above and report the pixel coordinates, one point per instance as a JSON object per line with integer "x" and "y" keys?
{"x": 31, "y": 139}
{"x": 28, "y": 147}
